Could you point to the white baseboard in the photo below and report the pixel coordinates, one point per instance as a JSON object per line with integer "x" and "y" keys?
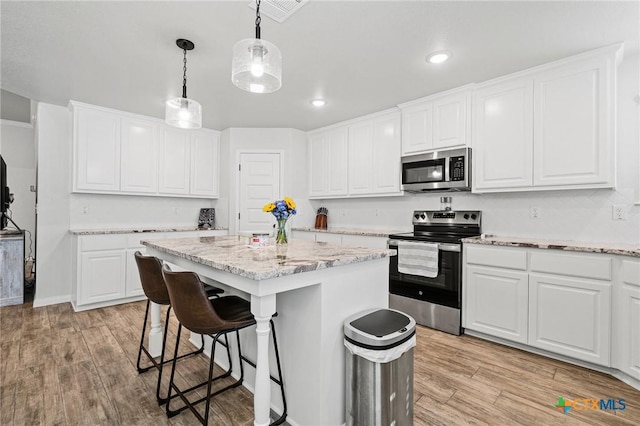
{"x": 39, "y": 302}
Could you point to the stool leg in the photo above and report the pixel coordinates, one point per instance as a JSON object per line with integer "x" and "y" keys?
{"x": 283, "y": 417}
{"x": 210, "y": 381}
{"x": 173, "y": 372}
{"x": 141, "y": 347}
{"x": 160, "y": 366}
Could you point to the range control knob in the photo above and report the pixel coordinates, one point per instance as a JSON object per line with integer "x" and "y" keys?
{"x": 466, "y": 215}
{"x": 417, "y": 216}
{"x": 423, "y": 216}
{"x": 473, "y": 216}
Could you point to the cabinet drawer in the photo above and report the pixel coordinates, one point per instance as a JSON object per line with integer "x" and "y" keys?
{"x": 102, "y": 242}
{"x": 512, "y": 258}
{"x": 577, "y": 265}
{"x": 631, "y": 272}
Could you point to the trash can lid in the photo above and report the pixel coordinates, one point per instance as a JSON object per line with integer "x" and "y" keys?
{"x": 379, "y": 328}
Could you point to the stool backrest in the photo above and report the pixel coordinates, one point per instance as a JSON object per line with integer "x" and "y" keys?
{"x": 190, "y": 302}
{"x": 150, "y": 270}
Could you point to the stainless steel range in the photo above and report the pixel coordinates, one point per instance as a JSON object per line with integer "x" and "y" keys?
{"x": 425, "y": 279}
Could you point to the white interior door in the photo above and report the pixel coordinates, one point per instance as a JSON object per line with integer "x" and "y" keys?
{"x": 259, "y": 185}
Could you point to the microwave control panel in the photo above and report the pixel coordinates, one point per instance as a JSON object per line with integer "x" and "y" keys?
{"x": 456, "y": 168}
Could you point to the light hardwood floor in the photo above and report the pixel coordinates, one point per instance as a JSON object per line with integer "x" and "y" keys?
{"x": 65, "y": 368}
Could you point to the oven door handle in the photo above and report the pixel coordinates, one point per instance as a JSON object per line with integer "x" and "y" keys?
{"x": 441, "y": 246}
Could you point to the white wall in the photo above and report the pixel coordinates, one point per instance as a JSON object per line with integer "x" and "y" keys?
{"x": 53, "y": 255}
{"x": 292, "y": 142}
{"x": 581, "y": 215}
{"x": 18, "y": 150}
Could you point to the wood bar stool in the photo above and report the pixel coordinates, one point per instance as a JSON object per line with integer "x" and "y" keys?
{"x": 150, "y": 270}
{"x": 215, "y": 318}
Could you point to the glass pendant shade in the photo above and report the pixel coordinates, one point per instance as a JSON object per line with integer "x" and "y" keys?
{"x": 184, "y": 113}
{"x": 256, "y": 66}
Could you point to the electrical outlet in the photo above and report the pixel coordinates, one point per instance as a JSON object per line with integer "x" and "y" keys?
{"x": 177, "y": 210}
{"x": 85, "y": 210}
{"x": 535, "y": 212}
{"x": 619, "y": 212}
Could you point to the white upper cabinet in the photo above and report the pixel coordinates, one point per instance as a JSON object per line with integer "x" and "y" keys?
{"x": 503, "y": 134}
{"x": 96, "y": 150}
{"x": 574, "y": 123}
{"x": 435, "y": 122}
{"x": 175, "y": 161}
{"x": 551, "y": 127}
{"x": 360, "y": 157}
{"x": 386, "y": 146}
{"x": 205, "y": 158}
{"x": 139, "y": 160}
{"x": 120, "y": 153}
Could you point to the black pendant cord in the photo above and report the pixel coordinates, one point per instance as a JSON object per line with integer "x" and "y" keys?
{"x": 258, "y": 19}
{"x": 184, "y": 76}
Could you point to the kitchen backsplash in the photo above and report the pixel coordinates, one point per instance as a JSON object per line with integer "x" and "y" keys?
{"x": 97, "y": 210}
{"x": 581, "y": 215}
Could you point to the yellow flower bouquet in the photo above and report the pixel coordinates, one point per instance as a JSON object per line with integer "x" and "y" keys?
{"x": 282, "y": 210}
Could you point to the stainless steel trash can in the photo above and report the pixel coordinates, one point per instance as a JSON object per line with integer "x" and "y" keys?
{"x": 379, "y": 368}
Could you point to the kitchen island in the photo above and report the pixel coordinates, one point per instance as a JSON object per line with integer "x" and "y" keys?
{"x": 313, "y": 287}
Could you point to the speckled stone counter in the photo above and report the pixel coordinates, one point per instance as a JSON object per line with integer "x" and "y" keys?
{"x": 608, "y": 248}
{"x": 353, "y": 231}
{"x": 234, "y": 254}
{"x": 141, "y": 230}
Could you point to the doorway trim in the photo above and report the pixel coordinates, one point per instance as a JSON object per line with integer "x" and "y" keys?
{"x": 236, "y": 180}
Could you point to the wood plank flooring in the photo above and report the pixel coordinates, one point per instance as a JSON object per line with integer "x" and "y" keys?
{"x": 58, "y": 367}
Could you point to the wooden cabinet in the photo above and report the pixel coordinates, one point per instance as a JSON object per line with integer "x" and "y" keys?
{"x": 551, "y": 127}
{"x": 96, "y": 137}
{"x": 121, "y": 153}
{"x": 435, "y": 122}
{"x": 626, "y": 319}
{"x": 554, "y": 301}
{"x": 357, "y": 158}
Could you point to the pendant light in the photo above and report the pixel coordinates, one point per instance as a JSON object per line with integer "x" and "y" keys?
{"x": 257, "y": 63}
{"x": 183, "y": 112}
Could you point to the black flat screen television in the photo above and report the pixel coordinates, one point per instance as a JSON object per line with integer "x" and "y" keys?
{"x": 4, "y": 193}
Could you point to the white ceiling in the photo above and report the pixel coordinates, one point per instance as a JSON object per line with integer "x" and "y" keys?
{"x": 361, "y": 56}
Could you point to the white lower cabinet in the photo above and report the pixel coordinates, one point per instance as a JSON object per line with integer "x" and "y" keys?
{"x": 106, "y": 272}
{"x": 369, "y": 241}
{"x": 497, "y": 302}
{"x": 546, "y": 299}
{"x": 626, "y": 317}
{"x": 570, "y": 316}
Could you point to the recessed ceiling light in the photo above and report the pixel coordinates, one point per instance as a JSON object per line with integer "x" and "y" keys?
{"x": 318, "y": 102}
{"x": 439, "y": 57}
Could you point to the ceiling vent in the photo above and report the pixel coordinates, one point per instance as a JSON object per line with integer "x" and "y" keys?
{"x": 278, "y": 10}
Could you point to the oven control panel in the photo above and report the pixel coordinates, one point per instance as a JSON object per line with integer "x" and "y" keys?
{"x": 462, "y": 217}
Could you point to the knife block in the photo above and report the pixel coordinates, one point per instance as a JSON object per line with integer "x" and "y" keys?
{"x": 321, "y": 221}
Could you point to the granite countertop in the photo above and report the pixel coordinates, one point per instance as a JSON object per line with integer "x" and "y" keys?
{"x": 352, "y": 231}
{"x": 608, "y": 248}
{"x": 233, "y": 254}
{"x": 141, "y": 230}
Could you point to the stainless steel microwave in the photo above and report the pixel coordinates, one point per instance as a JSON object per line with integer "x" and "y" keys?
{"x": 443, "y": 170}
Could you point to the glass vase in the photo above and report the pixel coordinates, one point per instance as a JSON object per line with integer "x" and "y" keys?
{"x": 281, "y": 235}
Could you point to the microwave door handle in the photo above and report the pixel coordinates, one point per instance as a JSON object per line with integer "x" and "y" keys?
{"x": 447, "y": 176}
